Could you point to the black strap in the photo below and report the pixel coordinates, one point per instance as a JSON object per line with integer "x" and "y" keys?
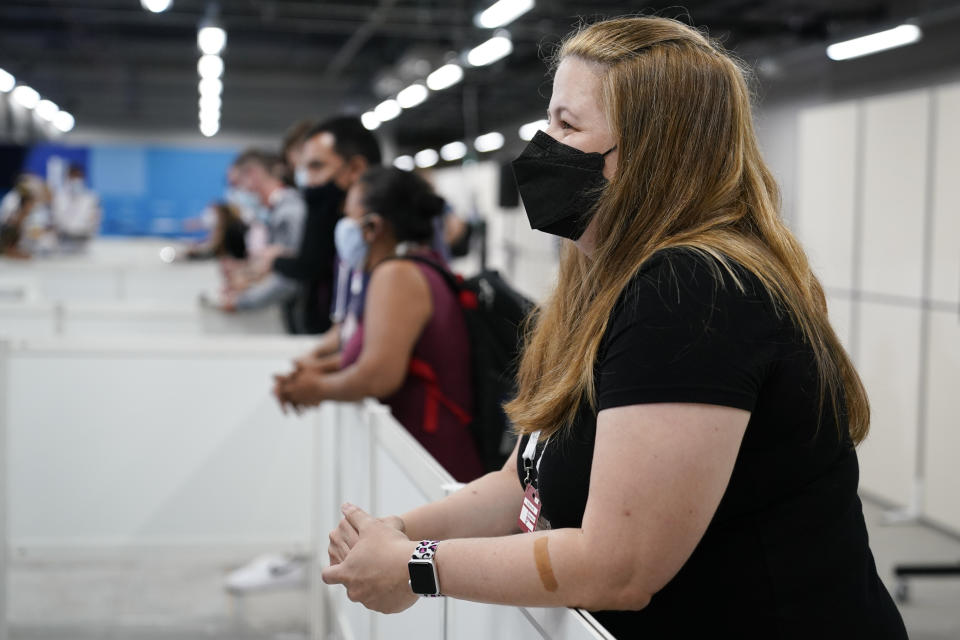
{"x": 448, "y": 277}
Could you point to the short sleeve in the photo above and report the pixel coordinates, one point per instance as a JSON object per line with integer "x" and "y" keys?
{"x": 683, "y": 331}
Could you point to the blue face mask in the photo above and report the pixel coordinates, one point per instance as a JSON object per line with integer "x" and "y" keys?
{"x": 351, "y": 247}
{"x": 246, "y": 201}
{"x": 301, "y": 178}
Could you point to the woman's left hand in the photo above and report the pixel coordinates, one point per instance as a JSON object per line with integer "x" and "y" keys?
{"x": 303, "y": 388}
{"x": 375, "y": 569}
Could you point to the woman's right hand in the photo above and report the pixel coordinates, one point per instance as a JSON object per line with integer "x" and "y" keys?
{"x": 345, "y": 536}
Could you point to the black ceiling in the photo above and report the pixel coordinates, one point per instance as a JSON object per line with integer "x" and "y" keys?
{"x": 115, "y": 65}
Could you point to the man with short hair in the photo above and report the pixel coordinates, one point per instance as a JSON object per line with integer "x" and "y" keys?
{"x": 257, "y": 173}
{"x": 333, "y": 156}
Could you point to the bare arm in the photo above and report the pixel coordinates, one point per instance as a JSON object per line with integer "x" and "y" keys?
{"x": 486, "y": 507}
{"x": 398, "y": 306}
{"x": 659, "y": 472}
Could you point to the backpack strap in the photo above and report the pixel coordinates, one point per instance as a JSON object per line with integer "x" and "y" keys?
{"x": 435, "y": 397}
{"x": 422, "y": 369}
{"x": 466, "y": 298}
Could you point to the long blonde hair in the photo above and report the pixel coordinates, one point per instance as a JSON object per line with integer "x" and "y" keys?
{"x": 689, "y": 174}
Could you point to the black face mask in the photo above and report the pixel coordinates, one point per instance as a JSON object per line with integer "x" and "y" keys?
{"x": 327, "y": 194}
{"x": 559, "y": 185}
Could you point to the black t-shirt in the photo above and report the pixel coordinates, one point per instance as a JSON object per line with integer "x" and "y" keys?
{"x": 786, "y": 553}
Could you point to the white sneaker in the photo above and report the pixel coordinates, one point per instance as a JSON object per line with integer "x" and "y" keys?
{"x": 267, "y": 572}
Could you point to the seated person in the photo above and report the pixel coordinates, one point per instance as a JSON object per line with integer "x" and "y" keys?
{"x": 411, "y": 348}
{"x": 227, "y": 237}
{"x": 255, "y": 287}
{"x": 12, "y": 225}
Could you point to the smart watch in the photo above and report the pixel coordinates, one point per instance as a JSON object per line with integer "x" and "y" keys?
{"x": 423, "y": 571}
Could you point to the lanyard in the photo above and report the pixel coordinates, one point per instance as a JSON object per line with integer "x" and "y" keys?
{"x": 529, "y": 453}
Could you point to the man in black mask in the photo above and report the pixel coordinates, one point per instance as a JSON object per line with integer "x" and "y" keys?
{"x": 335, "y": 153}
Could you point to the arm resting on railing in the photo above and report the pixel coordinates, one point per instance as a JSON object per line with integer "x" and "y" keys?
{"x": 658, "y": 474}
{"x": 486, "y": 507}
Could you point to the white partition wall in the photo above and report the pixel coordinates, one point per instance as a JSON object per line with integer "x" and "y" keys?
{"x": 877, "y": 211}
{"x": 895, "y": 144}
{"x": 141, "y": 445}
{"x": 827, "y": 156}
{"x": 945, "y": 241}
{"x": 889, "y": 364}
{"x": 152, "y": 442}
{"x": 941, "y": 486}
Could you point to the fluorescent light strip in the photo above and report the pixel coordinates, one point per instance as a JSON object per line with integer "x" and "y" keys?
{"x": 891, "y": 38}
{"x": 490, "y": 51}
{"x": 453, "y": 151}
{"x": 488, "y": 142}
{"x": 211, "y": 39}
{"x": 63, "y": 121}
{"x": 370, "y": 120}
{"x": 502, "y": 12}
{"x": 7, "y": 81}
{"x": 387, "y": 110}
{"x": 426, "y": 158}
{"x": 412, "y": 96}
{"x": 446, "y": 76}
{"x": 530, "y": 129}
{"x": 406, "y": 163}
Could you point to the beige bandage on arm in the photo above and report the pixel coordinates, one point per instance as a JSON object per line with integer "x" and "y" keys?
{"x": 541, "y": 556}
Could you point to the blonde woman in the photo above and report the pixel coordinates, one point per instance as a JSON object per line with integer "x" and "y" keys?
{"x": 687, "y": 467}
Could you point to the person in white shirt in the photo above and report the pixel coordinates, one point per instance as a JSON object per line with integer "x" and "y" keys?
{"x": 76, "y": 209}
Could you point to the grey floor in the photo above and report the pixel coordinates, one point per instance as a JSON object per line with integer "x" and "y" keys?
{"x": 165, "y": 595}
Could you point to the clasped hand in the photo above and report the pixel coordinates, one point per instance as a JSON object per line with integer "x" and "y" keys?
{"x": 304, "y": 386}
{"x": 369, "y": 557}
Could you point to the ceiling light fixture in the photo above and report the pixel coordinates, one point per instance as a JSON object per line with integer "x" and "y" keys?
{"x": 211, "y": 39}
{"x": 426, "y": 158}
{"x": 209, "y": 128}
{"x": 446, "y": 76}
{"x": 7, "y": 81}
{"x": 370, "y": 120}
{"x": 25, "y": 96}
{"x": 387, "y": 110}
{"x": 405, "y": 163}
{"x": 497, "y": 47}
{"x": 210, "y": 102}
{"x": 63, "y": 121}
{"x": 210, "y": 66}
{"x": 412, "y": 96}
{"x": 530, "y": 129}
{"x": 502, "y": 13}
{"x": 882, "y": 40}
{"x": 210, "y": 86}
{"x": 156, "y": 6}
{"x": 453, "y": 151}
{"x": 488, "y": 142}
{"x": 47, "y": 110}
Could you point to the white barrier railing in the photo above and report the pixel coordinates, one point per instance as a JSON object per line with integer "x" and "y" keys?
{"x": 47, "y": 319}
{"x": 121, "y": 444}
{"x": 364, "y": 456}
{"x": 74, "y": 279}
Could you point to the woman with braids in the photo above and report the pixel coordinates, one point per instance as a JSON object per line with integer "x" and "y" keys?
{"x": 689, "y": 418}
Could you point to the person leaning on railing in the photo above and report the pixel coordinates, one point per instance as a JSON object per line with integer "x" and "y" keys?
{"x": 687, "y": 467}
{"x": 411, "y": 348}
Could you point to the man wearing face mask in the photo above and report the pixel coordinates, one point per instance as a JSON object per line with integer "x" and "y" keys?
{"x": 331, "y": 157}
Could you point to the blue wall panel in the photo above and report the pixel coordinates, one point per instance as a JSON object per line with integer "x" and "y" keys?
{"x": 145, "y": 190}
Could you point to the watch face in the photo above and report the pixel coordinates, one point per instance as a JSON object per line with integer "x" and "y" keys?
{"x": 422, "y": 578}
